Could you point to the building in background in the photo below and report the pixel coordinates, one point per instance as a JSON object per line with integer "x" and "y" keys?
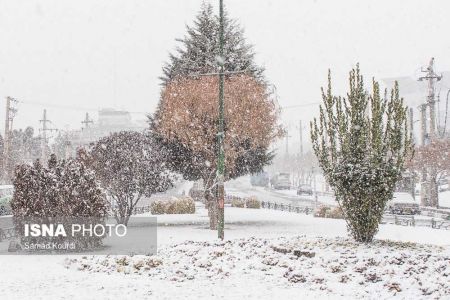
{"x": 109, "y": 121}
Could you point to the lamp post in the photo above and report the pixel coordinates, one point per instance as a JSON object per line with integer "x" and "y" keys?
{"x": 221, "y": 134}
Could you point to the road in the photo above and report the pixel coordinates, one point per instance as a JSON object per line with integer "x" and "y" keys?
{"x": 242, "y": 187}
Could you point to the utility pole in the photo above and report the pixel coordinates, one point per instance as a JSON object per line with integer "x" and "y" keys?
{"x": 431, "y": 77}
{"x": 423, "y": 137}
{"x": 221, "y": 134}
{"x": 423, "y": 124}
{"x": 10, "y": 113}
{"x": 44, "y": 130}
{"x": 87, "y": 121}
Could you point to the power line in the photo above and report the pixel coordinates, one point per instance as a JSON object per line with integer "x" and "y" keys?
{"x": 70, "y": 107}
{"x": 44, "y": 130}
{"x": 87, "y": 121}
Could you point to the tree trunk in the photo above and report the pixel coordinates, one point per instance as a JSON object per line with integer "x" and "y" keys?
{"x": 424, "y": 199}
{"x": 211, "y": 205}
{"x": 434, "y": 201}
{"x": 212, "y": 212}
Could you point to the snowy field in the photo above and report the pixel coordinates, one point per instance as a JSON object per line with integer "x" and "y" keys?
{"x": 266, "y": 255}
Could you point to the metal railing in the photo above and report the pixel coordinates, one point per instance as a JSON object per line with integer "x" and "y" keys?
{"x": 141, "y": 210}
{"x": 387, "y": 218}
{"x": 300, "y": 209}
{"x": 414, "y": 221}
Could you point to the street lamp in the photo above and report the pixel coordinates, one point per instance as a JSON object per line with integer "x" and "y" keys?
{"x": 221, "y": 134}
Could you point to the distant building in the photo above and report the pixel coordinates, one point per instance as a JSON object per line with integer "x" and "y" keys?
{"x": 109, "y": 121}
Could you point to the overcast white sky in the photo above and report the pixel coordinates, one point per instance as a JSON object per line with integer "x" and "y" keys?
{"x": 109, "y": 53}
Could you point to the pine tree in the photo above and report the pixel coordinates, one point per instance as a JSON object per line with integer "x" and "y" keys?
{"x": 361, "y": 143}
{"x": 200, "y": 49}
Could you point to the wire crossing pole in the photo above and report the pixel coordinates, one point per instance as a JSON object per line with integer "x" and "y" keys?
{"x": 432, "y": 78}
{"x": 10, "y": 113}
{"x": 44, "y": 138}
{"x": 221, "y": 135}
{"x": 6, "y": 141}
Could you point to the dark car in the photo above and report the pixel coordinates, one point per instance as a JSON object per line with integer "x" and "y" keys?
{"x": 304, "y": 189}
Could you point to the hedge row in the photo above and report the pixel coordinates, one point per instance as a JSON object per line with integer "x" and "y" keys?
{"x": 250, "y": 202}
{"x": 173, "y": 206}
{"x": 329, "y": 212}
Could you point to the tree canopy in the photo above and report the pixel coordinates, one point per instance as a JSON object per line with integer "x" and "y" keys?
{"x": 199, "y": 49}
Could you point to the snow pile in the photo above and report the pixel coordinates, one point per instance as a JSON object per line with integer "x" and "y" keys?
{"x": 335, "y": 266}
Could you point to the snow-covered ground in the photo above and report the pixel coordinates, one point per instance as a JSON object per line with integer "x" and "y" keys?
{"x": 192, "y": 264}
{"x": 329, "y": 267}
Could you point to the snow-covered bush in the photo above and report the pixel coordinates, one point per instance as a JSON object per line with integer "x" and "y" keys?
{"x": 361, "y": 143}
{"x": 173, "y": 206}
{"x": 329, "y": 212}
{"x": 252, "y": 202}
{"x": 129, "y": 165}
{"x": 321, "y": 211}
{"x": 158, "y": 207}
{"x": 63, "y": 189}
{"x": 237, "y": 202}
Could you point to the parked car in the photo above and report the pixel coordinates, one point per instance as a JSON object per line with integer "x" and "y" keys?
{"x": 403, "y": 204}
{"x": 260, "y": 179}
{"x": 305, "y": 189}
{"x": 281, "y": 181}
